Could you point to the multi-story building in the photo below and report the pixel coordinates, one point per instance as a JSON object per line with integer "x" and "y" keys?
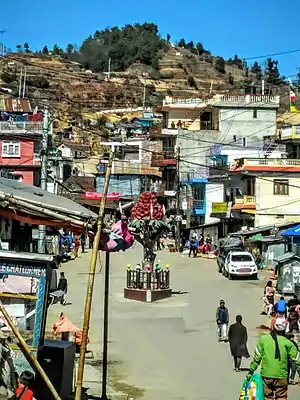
{"x": 259, "y": 192}
{"x": 210, "y": 133}
{"x": 132, "y": 172}
{"x": 20, "y": 139}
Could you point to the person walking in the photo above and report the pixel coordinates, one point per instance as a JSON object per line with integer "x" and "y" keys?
{"x": 273, "y": 351}
{"x": 82, "y": 242}
{"x": 222, "y": 319}
{"x": 292, "y": 364}
{"x": 268, "y": 299}
{"x": 63, "y": 286}
{"x": 238, "y": 337}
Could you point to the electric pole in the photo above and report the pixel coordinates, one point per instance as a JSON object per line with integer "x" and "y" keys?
{"x": 178, "y": 216}
{"x": 109, "y": 68}
{"x": 144, "y": 97}
{"x": 44, "y": 168}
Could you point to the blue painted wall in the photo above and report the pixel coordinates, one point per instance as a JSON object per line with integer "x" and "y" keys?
{"x": 126, "y": 185}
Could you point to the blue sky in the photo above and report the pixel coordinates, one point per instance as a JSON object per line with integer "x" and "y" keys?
{"x": 224, "y": 27}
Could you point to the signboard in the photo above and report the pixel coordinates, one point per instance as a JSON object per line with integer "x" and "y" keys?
{"x": 219, "y": 208}
{"x": 98, "y": 196}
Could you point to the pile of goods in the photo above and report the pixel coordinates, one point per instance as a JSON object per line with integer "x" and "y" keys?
{"x": 147, "y": 206}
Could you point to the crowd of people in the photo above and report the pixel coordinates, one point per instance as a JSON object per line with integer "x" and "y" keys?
{"x": 198, "y": 244}
{"x": 277, "y": 352}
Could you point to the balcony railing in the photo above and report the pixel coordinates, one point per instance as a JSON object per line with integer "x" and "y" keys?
{"x": 164, "y": 157}
{"x": 245, "y": 200}
{"x": 23, "y": 128}
{"x": 289, "y": 132}
{"x": 271, "y": 162}
{"x": 198, "y": 173}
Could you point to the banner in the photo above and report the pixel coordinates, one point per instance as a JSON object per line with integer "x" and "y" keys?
{"x": 98, "y": 196}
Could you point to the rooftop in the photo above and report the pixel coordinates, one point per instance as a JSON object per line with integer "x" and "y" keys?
{"x": 14, "y": 105}
{"x": 266, "y": 165}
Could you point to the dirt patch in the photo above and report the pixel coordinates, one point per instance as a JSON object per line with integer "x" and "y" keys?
{"x": 116, "y": 381}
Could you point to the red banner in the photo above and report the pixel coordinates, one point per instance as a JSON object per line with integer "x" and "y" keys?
{"x": 98, "y": 196}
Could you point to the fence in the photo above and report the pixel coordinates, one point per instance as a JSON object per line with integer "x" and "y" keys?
{"x": 144, "y": 280}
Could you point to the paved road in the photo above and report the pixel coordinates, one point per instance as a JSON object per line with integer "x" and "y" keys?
{"x": 167, "y": 350}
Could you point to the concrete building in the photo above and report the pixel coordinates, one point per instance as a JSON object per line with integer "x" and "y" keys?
{"x": 260, "y": 192}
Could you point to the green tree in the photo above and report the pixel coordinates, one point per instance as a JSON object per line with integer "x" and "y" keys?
{"x": 56, "y": 50}
{"x": 45, "y": 50}
{"x": 181, "y": 43}
{"x": 168, "y": 38}
{"x": 230, "y": 79}
{"x": 26, "y": 47}
{"x": 191, "y": 82}
{"x": 220, "y": 65}
{"x": 69, "y": 49}
{"x": 200, "y": 48}
{"x": 19, "y": 48}
{"x": 256, "y": 69}
{"x": 272, "y": 72}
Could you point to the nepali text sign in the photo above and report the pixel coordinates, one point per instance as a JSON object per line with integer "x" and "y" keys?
{"x": 98, "y": 196}
{"x": 219, "y": 208}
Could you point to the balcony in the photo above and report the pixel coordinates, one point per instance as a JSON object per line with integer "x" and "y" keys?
{"x": 21, "y": 128}
{"x": 289, "y": 133}
{"x": 245, "y": 204}
{"x": 194, "y": 176}
{"x": 266, "y": 165}
{"x": 164, "y": 158}
{"x": 199, "y": 207}
{"x": 272, "y": 162}
{"x": 126, "y": 167}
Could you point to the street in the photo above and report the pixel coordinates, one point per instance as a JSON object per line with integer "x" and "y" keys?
{"x": 165, "y": 350}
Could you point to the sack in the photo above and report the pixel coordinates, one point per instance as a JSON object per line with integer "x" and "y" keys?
{"x": 252, "y": 389}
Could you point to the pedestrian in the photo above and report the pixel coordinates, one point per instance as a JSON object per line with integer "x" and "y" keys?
{"x": 293, "y": 302}
{"x": 238, "y": 337}
{"x": 268, "y": 299}
{"x": 24, "y": 385}
{"x": 192, "y": 247}
{"x": 63, "y": 286}
{"x": 76, "y": 246}
{"x": 292, "y": 364}
{"x": 222, "y": 319}
{"x": 273, "y": 351}
{"x": 292, "y": 323}
{"x": 82, "y": 242}
{"x": 273, "y": 320}
{"x": 280, "y": 307}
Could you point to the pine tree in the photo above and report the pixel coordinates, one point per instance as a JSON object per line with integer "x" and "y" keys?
{"x": 181, "y": 43}
{"x": 220, "y": 65}
{"x": 45, "y": 50}
{"x": 26, "y": 47}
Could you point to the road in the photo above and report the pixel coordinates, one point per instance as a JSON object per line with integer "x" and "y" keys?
{"x": 166, "y": 350}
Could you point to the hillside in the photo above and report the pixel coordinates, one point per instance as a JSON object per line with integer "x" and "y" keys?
{"x": 143, "y": 67}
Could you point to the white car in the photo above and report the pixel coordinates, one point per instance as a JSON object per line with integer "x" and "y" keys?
{"x": 240, "y": 263}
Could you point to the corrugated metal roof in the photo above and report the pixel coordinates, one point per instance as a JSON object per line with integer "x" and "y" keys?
{"x": 286, "y": 257}
{"x": 14, "y": 105}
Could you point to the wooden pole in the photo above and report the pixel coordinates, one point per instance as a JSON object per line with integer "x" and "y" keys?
{"x": 26, "y": 350}
{"x": 91, "y": 280}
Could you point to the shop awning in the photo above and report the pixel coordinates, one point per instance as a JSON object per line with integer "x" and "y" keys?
{"x": 292, "y": 232}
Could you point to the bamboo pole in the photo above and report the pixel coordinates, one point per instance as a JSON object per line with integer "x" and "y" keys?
{"x": 91, "y": 281}
{"x": 31, "y": 357}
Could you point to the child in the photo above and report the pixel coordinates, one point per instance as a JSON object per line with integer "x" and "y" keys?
{"x": 292, "y": 364}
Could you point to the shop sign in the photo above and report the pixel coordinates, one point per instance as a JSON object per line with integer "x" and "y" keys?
{"x": 98, "y": 196}
{"x": 219, "y": 208}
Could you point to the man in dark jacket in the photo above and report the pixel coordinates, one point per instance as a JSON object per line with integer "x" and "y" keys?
{"x": 63, "y": 286}
{"x": 222, "y": 319}
{"x": 237, "y": 337}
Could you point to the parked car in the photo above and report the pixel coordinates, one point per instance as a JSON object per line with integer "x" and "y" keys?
{"x": 240, "y": 263}
{"x": 222, "y": 256}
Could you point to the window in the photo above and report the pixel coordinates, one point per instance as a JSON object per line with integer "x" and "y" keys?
{"x": 241, "y": 258}
{"x": 244, "y": 141}
{"x": 281, "y": 187}
{"x": 10, "y": 149}
{"x": 254, "y": 113}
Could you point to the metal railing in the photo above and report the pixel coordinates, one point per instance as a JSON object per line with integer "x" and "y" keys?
{"x": 11, "y": 127}
{"x": 245, "y": 200}
{"x": 147, "y": 280}
{"x": 290, "y": 132}
{"x": 271, "y": 161}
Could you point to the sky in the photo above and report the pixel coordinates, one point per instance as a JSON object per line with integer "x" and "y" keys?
{"x": 249, "y": 29}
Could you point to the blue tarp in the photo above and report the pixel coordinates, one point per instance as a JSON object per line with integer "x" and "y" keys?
{"x": 292, "y": 232}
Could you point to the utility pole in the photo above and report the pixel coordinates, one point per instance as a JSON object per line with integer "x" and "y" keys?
{"x": 144, "y": 97}
{"x": 44, "y": 165}
{"x": 20, "y": 83}
{"x": 24, "y": 86}
{"x": 109, "y": 68}
{"x": 263, "y": 87}
{"x": 178, "y": 221}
